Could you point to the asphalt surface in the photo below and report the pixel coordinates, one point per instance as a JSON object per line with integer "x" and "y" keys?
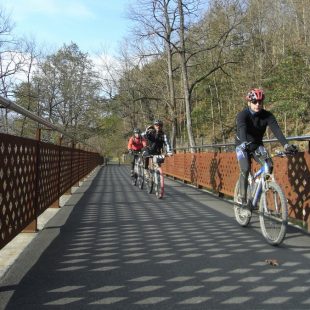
{"x": 113, "y": 246}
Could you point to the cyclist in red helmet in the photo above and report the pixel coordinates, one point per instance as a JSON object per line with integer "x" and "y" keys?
{"x": 252, "y": 123}
{"x": 135, "y": 144}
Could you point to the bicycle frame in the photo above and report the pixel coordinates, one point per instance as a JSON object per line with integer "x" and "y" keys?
{"x": 263, "y": 174}
{"x": 256, "y": 195}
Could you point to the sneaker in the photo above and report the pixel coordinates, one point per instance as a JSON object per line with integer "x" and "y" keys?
{"x": 242, "y": 201}
{"x": 245, "y": 208}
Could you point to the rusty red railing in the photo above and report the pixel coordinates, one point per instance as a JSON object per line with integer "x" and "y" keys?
{"x": 33, "y": 176}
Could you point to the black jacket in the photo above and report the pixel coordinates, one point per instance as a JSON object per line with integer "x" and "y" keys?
{"x": 251, "y": 127}
{"x": 156, "y": 141}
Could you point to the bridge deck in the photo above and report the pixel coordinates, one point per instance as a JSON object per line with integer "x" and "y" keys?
{"x": 114, "y": 246}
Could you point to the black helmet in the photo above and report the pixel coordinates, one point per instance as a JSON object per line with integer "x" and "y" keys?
{"x": 158, "y": 122}
{"x": 136, "y": 130}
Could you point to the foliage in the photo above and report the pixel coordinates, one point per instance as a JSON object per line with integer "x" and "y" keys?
{"x": 229, "y": 47}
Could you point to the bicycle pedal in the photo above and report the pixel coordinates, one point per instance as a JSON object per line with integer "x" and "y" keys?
{"x": 242, "y": 205}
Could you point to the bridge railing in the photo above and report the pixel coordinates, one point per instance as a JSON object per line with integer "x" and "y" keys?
{"x": 215, "y": 168}
{"x": 35, "y": 174}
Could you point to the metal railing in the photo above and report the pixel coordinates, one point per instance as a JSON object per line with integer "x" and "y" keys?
{"x": 232, "y": 144}
{"x": 218, "y": 172}
{"x": 35, "y": 174}
{"x": 8, "y": 104}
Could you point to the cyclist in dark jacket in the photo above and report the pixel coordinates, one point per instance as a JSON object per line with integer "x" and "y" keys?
{"x": 156, "y": 142}
{"x": 252, "y": 123}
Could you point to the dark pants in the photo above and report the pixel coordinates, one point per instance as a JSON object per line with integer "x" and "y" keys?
{"x": 244, "y": 159}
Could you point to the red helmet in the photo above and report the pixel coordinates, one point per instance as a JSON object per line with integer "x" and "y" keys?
{"x": 255, "y": 94}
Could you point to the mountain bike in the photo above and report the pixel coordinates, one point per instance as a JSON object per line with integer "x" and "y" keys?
{"x": 156, "y": 178}
{"x": 265, "y": 194}
{"x": 138, "y": 172}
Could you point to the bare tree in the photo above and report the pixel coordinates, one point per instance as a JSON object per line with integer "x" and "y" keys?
{"x": 156, "y": 25}
{"x": 182, "y": 52}
{"x": 11, "y": 61}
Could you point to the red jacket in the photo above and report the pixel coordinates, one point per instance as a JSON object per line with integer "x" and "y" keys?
{"x": 136, "y": 144}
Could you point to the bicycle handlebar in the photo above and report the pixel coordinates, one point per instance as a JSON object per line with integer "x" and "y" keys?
{"x": 282, "y": 154}
{"x": 135, "y": 152}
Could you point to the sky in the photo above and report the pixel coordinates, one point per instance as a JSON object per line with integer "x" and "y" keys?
{"x": 93, "y": 25}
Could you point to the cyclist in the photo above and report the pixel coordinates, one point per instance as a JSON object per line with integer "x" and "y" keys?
{"x": 252, "y": 123}
{"x": 135, "y": 144}
{"x": 156, "y": 141}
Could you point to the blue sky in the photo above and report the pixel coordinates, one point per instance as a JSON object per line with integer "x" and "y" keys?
{"x": 91, "y": 24}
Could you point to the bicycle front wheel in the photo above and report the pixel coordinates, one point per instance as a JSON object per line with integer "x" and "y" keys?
{"x": 150, "y": 182}
{"x": 159, "y": 184}
{"x": 140, "y": 176}
{"x": 273, "y": 214}
{"x": 134, "y": 179}
{"x": 242, "y": 214}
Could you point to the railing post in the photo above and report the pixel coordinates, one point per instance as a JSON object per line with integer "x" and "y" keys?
{"x": 33, "y": 226}
{"x": 79, "y": 165}
{"x": 77, "y": 149}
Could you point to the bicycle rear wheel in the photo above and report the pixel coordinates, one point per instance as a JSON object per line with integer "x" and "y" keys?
{"x": 273, "y": 214}
{"x": 242, "y": 214}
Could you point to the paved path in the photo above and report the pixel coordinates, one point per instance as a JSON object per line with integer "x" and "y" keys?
{"x": 114, "y": 246}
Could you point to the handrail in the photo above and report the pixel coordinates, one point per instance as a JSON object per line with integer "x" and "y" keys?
{"x": 17, "y": 108}
{"x": 232, "y": 144}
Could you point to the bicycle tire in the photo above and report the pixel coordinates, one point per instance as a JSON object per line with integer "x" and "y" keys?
{"x": 141, "y": 177}
{"x": 273, "y": 217}
{"x": 134, "y": 180}
{"x": 242, "y": 215}
{"x": 150, "y": 182}
{"x": 134, "y": 177}
{"x": 159, "y": 185}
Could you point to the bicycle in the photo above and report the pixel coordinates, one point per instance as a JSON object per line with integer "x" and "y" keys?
{"x": 156, "y": 178}
{"x": 265, "y": 194}
{"x": 138, "y": 172}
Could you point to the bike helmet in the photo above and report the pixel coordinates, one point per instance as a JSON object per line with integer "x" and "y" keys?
{"x": 158, "y": 122}
{"x": 137, "y": 130}
{"x": 255, "y": 94}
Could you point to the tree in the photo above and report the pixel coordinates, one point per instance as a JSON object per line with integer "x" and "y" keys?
{"x": 156, "y": 26}
{"x": 11, "y": 60}
{"x": 67, "y": 87}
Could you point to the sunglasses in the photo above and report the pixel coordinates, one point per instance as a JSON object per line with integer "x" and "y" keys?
{"x": 260, "y": 102}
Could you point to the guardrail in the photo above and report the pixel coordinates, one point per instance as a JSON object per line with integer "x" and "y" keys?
{"x": 218, "y": 171}
{"x": 35, "y": 174}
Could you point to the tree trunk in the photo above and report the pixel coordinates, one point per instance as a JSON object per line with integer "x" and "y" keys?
{"x": 212, "y": 116}
{"x": 219, "y": 106}
{"x": 170, "y": 77}
{"x": 185, "y": 83}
